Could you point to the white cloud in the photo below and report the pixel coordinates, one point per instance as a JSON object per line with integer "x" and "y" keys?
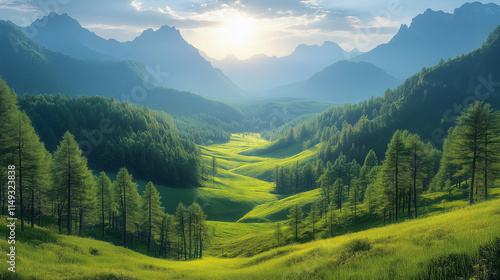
{"x": 137, "y": 5}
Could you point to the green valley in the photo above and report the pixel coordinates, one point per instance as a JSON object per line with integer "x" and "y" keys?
{"x": 109, "y": 169}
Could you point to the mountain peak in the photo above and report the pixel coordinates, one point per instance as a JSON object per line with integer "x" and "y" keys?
{"x": 162, "y": 32}
{"x": 58, "y": 20}
{"x": 477, "y": 8}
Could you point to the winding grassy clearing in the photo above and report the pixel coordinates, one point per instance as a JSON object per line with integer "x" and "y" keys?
{"x": 239, "y": 185}
{"x": 414, "y": 249}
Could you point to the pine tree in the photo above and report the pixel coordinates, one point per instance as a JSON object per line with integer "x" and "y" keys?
{"x": 198, "y": 224}
{"x": 491, "y": 142}
{"x": 295, "y": 220}
{"x": 180, "y": 221}
{"x": 314, "y": 218}
{"x": 104, "y": 197}
{"x": 326, "y": 181}
{"x": 28, "y": 152}
{"x": 354, "y": 196}
{"x": 393, "y": 170}
{"x": 467, "y": 143}
{"x": 128, "y": 198}
{"x": 417, "y": 153}
{"x": 8, "y": 109}
{"x": 338, "y": 192}
{"x": 152, "y": 209}
{"x": 70, "y": 170}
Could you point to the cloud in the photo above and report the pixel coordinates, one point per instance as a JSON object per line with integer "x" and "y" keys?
{"x": 19, "y": 6}
{"x": 137, "y": 5}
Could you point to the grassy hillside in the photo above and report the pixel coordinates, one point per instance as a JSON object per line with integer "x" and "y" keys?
{"x": 451, "y": 243}
{"x": 277, "y": 210}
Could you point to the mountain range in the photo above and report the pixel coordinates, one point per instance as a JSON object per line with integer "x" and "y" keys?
{"x": 163, "y": 58}
{"x": 262, "y": 72}
{"x": 165, "y": 54}
{"x": 342, "y": 82}
{"x": 312, "y": 72}
{"x": 29, "y": 67}
{"x": 435, "y": 35}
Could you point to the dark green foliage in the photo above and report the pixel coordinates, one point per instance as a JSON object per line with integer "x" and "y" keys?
{"x": 94, "y": 252}
{"x": 128, "y": 206}
{"x": 474, "y": 145}
{"x": 115, "y": 134}
{"x": 295, "y": 179}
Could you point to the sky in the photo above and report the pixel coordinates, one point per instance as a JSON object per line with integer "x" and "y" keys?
{"x": 242, "y": 28}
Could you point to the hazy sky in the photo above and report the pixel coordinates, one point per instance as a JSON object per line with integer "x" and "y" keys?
{"x": 240, "y": 27}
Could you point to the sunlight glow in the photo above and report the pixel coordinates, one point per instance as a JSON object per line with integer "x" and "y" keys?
{"x": 238, "y": 29}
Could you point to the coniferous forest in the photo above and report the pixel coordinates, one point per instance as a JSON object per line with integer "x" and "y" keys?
{"x": 193, "y": 176}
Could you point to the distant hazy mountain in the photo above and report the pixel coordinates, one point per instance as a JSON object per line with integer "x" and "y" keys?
{"x": 164, "y": 52}
{"x": 262, "y": 72}
{"x": 342, "y": 82}
{"x": 64, "y": 34}
{"x": 29, "y": 67}
{"x": 435, "y": 35}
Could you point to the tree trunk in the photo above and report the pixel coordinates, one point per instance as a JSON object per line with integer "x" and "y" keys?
{"x": 486, "y": 168}
{"x": 124, "y": 217}
{"x": 102, "y": 205}
{"x": 20, "y": 154}
{"x": 69, "y": 192}
{"x": 32, "y": 207}
{"x": 149, "y": 223}
{"x": 471, "y": 198}
{"x": 80, "y": 231}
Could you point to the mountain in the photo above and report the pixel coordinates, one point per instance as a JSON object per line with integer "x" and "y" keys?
{"x": 342, "y": 82}
{"x": 167, "y": 56}
{"x": 434, "y": 35}
{"x": 427, "y": 103}
{"x": 29, "y": 67}
{"x": 262, "y": 72}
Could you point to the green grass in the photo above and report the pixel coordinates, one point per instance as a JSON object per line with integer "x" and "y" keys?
{"x": 277, "y": 210}
{"x": 416, "y": 249}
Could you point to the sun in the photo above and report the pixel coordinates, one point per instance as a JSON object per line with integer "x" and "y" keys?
{"x": 238, "y": 29}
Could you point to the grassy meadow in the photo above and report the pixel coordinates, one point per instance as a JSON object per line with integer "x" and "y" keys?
{"x": 242, "y": 216}
{"x": 418, "y": 249}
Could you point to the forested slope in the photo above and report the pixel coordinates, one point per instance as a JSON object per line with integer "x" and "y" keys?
{"x": 114, "y": 135}
{"x": 426, "y": 103}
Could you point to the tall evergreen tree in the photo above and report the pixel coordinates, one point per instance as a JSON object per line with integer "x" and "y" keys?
{"x": 70, "y": 169}
{"x": 417, "y": 153}
{"x": 180, "y": 221}
{"x": 128, "y": 198}
{"x": 491, "y": 142}
{"x": 314, "y": 218}
{"x": 104, "y": 197}
{"x": 152, "y": 209}
{"x": 467, "y": 144}
{"x": 393, "y": 168}
{"x": 295, "y": 220}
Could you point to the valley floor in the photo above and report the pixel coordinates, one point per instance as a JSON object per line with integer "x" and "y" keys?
{"x": 416, "y": 249}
